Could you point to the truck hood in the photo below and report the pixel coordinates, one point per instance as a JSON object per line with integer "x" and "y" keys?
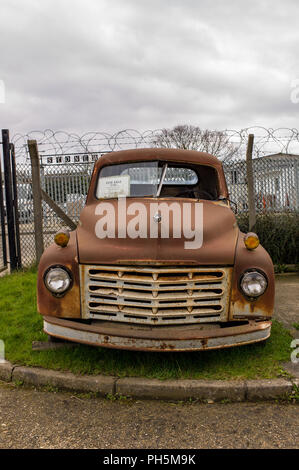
{"x": 219, "y": 234}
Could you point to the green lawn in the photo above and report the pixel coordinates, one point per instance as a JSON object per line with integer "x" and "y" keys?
{"x": 20, "y": 325}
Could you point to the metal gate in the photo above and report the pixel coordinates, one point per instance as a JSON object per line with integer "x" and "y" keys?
{"x": 3, "y": 253}
{"x": 9, "y": 217}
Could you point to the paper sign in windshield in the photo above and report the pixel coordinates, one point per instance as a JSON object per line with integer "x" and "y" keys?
{"x": 114, "y": 186}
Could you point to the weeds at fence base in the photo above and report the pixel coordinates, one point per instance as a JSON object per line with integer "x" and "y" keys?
{"x": 278, "y": 233}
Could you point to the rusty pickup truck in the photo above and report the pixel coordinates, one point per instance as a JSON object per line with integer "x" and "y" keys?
{"x": 157, "y": 262}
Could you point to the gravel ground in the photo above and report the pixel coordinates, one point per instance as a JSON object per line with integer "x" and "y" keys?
{"x": 38, "y": 419}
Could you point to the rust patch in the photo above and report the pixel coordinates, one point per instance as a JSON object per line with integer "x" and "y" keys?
{"x": 165, "y": 346}
{"x": 259, "y": 259}
{"x": 67, "y": 306}
{"x": 219, "y": 238}
{"x": 150, "y": 340}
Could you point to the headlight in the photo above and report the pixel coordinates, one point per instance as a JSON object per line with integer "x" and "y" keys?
{"x": 57, "y": 280}
{"x": 253, "y": 283}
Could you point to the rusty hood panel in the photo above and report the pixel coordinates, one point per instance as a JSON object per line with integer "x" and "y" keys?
{"x": 220, "y": 233}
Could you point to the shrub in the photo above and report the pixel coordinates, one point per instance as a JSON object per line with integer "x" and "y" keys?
{"x": 278, "y": 233}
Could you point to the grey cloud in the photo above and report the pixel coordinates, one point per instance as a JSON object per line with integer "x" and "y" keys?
{"x": 111, "y": 65}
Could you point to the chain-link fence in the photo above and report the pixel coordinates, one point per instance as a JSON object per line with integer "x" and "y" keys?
{"x": 2, "y": 239}
{"x": 276, "y": 183}
{"x": 2, "y": 229}
{"x": 67, "y": 160}
{"x": 67, "y": 186}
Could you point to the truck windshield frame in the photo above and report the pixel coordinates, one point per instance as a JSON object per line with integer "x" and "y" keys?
{"x": 144, "y": 178}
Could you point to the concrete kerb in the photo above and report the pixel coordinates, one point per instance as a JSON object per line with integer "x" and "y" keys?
{"x": 181, "y": 389}
{"x": 6, "y": 369}
{"x": 137, "y": 387}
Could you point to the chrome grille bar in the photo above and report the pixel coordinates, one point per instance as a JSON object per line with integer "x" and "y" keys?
{"x": 155, "y": 295}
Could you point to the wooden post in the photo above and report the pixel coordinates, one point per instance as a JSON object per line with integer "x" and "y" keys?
{"x": 250, "y": 183}
{"x": 37, "y": 198}
{"x": 52, "y": 204}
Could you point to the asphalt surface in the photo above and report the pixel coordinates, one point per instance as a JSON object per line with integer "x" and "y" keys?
{"x": 286, "y": 301}
{"x": 39, "y": 419}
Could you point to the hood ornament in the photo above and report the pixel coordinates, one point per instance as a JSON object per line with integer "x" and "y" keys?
{"x": 157, "y": 217}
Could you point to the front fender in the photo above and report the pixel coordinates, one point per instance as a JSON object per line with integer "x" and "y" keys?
{"x": 240, "y": 306}
{"x": 67, "y": 306}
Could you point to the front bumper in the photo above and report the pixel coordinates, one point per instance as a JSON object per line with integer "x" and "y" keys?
{"x": 174, "y": 338}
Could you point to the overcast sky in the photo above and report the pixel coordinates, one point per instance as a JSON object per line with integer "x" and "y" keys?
{"x": 107, "y": 65}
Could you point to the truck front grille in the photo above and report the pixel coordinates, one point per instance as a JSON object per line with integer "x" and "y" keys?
{"x": 155, "y": 295}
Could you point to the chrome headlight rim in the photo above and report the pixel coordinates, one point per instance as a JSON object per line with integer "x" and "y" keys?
{"x": 63, "y": 268}
{"x": 248, "y": 271}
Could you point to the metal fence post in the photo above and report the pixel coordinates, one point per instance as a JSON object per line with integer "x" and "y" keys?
{"x": 15, "y": 205}
{"x": 9, "y": 200}
{"x": 250, "y": 183}
{"x": 2, "y": 223}
{"x": 37, "y": 198}
{"x": 296, "y": 176}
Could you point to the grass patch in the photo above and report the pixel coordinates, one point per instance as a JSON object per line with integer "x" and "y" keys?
{"x": 20, "y": 325}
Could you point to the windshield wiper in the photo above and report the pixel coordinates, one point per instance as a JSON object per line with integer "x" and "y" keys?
{"x": 162, "y": 180}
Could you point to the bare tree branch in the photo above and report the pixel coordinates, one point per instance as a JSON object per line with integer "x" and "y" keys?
{"x": 194, "y": 138}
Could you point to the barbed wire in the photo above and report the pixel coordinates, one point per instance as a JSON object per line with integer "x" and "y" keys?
{"x": 50, "y": 142}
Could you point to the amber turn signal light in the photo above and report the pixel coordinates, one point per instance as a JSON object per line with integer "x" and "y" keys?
{"x": 251, "y": 241}
{"x": 62, "y": 238}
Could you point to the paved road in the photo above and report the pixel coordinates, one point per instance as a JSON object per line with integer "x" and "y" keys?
{"x": 286, "y": 301}
{"x": 36, "y": 419}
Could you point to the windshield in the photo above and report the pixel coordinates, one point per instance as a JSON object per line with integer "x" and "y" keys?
{"x": 163, "y": 179}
